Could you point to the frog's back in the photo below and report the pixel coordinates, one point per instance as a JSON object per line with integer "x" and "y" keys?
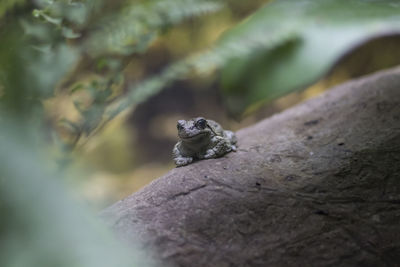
{"x": 216, "y": 127}
{"x": 231, "y": 136}
{"x": 221, "y": 132}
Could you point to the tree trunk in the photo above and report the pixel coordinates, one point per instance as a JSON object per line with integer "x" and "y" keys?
{"x": 316, "y": 185}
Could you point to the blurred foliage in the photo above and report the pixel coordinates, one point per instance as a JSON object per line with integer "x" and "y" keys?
{"x": 6, "y": 5}
{"x": 267, "y": 56}
{"x": 322, "y": 32}
{"x": 41, "y": 224}
{"x": 137, "y": 25}
{"x": 67, "y": 69}
{"x": 80, "y": 49}
{"x": 41, "y": 55}
{"x": 106, "y": 40}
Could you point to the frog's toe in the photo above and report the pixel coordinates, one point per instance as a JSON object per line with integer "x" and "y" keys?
{"x": 234, "y": 148}
{"x": 210, "y": 154}
{"x": 183, "y": 161}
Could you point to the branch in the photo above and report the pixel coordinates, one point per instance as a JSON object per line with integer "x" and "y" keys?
{"x": 316, "y": 185}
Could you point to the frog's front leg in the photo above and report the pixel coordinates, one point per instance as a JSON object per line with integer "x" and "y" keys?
{"x": 210, "y": 153}
{"x": 179, "y": 158}
{"x": 182, "y": 161}
{"x": 220, "y": 146}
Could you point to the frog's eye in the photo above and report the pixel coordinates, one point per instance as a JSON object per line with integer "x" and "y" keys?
{"x": 180, "y": 124}
{"x": 201, "y": 124}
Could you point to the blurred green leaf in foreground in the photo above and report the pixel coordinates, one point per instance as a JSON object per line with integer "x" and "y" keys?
{"x": 41, "y": 225}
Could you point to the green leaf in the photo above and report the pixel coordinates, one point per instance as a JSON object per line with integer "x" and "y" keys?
{"x": 69, "y": 33}
{"x": 77, "y": 87}
{"x": 325, "y": 31}
{"x": 41, "y": 14}
{"x": 92, "y": 117}
{"x": 73, "y": 12}
{"x": 49, "y": 65}
{"x": 137, "y": 26}
{"x": 6, "y": 5}
{"x": 41, "y": 223}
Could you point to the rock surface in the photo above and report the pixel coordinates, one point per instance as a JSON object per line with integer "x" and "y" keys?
{"x": 316, "y": 185}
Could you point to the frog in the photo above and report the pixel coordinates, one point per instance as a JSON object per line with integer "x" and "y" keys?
{"x": 201, "y": 138}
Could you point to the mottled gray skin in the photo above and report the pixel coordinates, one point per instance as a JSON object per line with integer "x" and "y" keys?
{"x": 201, "y": 139}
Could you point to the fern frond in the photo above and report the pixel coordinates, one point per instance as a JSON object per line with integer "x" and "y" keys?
{"x": 202, "y": 63}
{"x": 242, "y": 47}
{"x": 138, "y": 25}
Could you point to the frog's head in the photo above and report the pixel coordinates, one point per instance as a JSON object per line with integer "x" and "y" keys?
{"x": 195, "y": 130}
